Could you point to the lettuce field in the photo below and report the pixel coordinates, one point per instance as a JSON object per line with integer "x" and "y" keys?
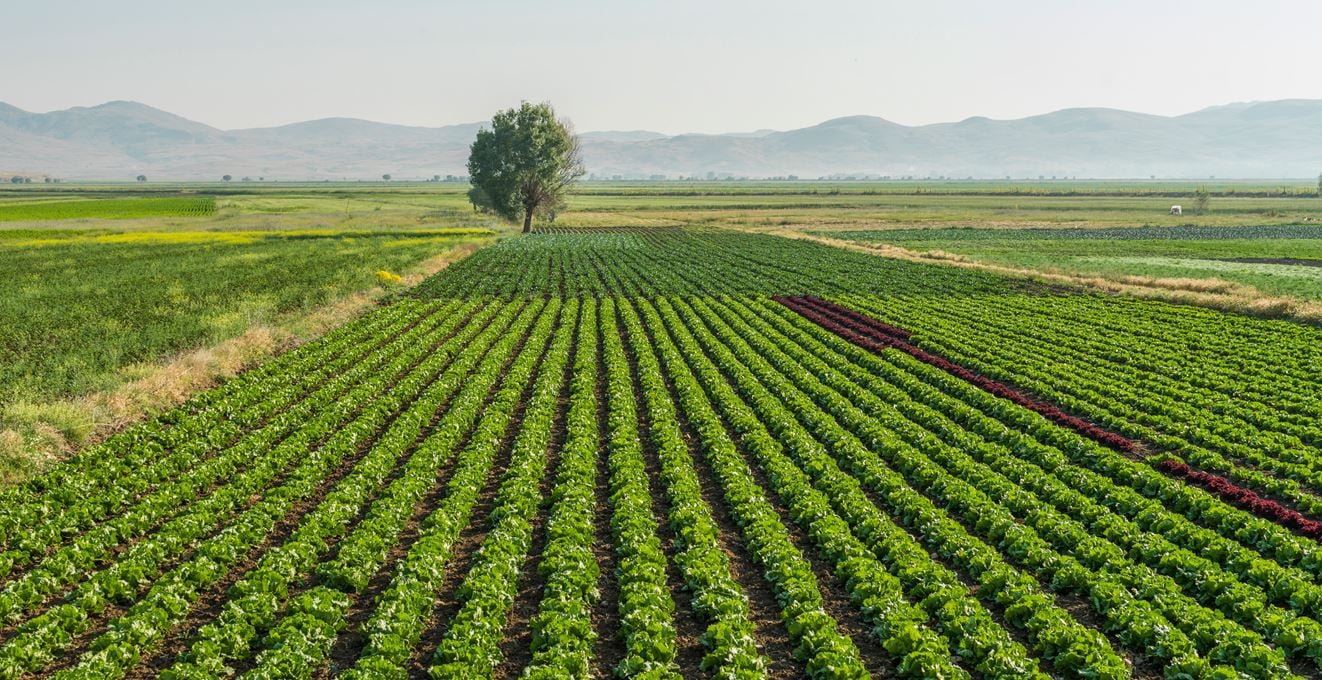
{"x": 687, "y": 453}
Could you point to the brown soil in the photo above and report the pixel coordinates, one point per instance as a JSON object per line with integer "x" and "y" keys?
{"x": 516, "y": 644}
{"x": 349, "y": 644}
{"x": 609, "y": 648}
{"x": 447, "y": 604}
{"x": 1141, "y": 667}
{"x": 849, "y": 620}
{"x": 209, "y": 606}
{"x": 764, "y": 611}
{"x": 688, "y": 628}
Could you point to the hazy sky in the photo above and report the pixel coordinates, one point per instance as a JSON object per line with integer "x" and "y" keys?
{"x": 673, "y": 66}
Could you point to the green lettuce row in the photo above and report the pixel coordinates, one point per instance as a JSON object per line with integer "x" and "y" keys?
{"x": 297, "y": 646}
{"x": 1214, "y": 405}
{"x": 1236, "y": 539}
{"x": 1072, "y": 648}
{"x": 152, "y": 616}
{"x": 824, "y": 650}
{"x": 397, "y": 623}
{"x": 1199, "y": 437}
{"x": 471, "y": 644}
{"x": 361, "y": 554}
{"x": 1082, "y": 397}
{"x": 125, "y": 464}
{"x": 196, "y": 417}
{"x": 75, "y": 561}
{"x": 127, "y": 493}
{"x": 1127, "y": 408}
{"x": 72, "y": 480}
{"x": 1162, "y": 539}
{"x": 1201, "y": 578}
{"x": 255, "y": 600}
{"x": 1260, "y": 354}
{"x": 967, "y": 489}
{"x": 1114, "y": 325}
{"x": 717, "y": 600}
{"x": 562, "y": 631}
{"x": 977, "y": 638}
{"x": 652, "y": 261}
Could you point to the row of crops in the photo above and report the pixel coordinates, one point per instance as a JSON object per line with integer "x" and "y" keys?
{"x": 109, "y": 208}
{"x": 634, "y": 262}
{"x": 615, "y": 453}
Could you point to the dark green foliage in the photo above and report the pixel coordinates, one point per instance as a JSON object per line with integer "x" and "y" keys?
{"x": 652, "y": 262}
{"x": 524, "y": 164}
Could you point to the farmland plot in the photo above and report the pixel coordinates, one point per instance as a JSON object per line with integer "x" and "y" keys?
{"x": 666, "y": 453}
{"x": 108, "y": 209}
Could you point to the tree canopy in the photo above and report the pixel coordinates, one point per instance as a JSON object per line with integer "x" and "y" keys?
{"x": 523, "y": 165}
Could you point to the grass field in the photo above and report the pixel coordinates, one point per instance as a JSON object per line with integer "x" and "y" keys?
{"x": 106, "y": 209}
{"x": 691, "y": 453}
{"x": 117, "y": 305}
{"x": 1284, "y": 260}
{"x": 139, "y": 295}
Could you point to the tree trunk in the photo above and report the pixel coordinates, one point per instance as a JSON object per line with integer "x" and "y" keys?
{"x": 527, "y": 220}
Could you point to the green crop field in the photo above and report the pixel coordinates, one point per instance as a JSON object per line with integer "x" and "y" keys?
{"x": 107, "y": 209}
{"x": 1277, "y": 260}
{"x": 698, "y": 452}
{"x": 81, "y": 306}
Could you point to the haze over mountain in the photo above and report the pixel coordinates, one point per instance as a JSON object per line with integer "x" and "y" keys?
{"x": 119, "y": 140}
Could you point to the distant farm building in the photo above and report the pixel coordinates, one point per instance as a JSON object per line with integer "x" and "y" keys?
{"x": 1177, "y": 210}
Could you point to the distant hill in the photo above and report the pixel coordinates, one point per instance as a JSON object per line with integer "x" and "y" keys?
{"x": 120, "y": 139}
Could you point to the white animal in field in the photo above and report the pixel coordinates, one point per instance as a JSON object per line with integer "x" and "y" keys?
{"x": 1177, "y": 210}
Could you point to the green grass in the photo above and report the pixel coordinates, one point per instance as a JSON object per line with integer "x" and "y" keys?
{"x": 1179, "y": 252}
{"x": 79, "y": 308}
{"x": 1176, "y": 233}
{"x": 107, "y": 209}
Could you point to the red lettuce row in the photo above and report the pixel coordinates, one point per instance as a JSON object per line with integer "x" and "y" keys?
{"x": 854, "y": 327}
{"x": 829, "y": 316}
{"x": 1262, "y": 507}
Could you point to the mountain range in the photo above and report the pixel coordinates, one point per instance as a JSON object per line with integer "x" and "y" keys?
{"x": 121, "y": 139}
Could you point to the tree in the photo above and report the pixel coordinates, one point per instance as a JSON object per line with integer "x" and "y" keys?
{"x": 1201, "y": 198}
{"x": 142, "y": 178}
{"x": 1319, "y": 184}
{"x": 524, "y": 164}
{"x": 386, "y": 177}
{"x": 226, "y": 178}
